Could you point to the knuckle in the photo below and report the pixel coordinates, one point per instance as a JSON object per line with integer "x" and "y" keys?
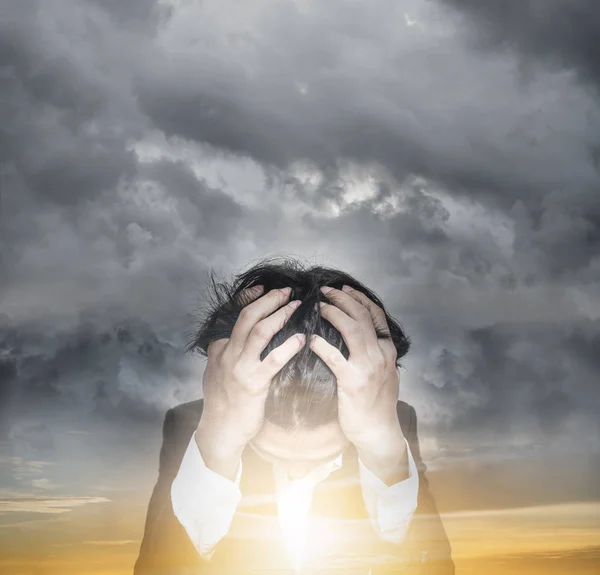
{"x": 364, "y": 313}
{"x": 245, "y": 312}
{"x": 278, "y": 294}
{"x": 333, "y": 296}
{"x": 332, "y": 357}
{"x": 246, "y": 293}
{"x": 360, "y": 295}
{"x": 389, "y": 350}
{"x": 278, "y": 354}
{"x": 262, "y": 331}
{"x": 239, "y": 373}
{"x": 379, "y": 359}
{"x": 354, "y": 329}
{"x": 363, "y": 299}
{"x": 224, "y": 357}
{"x": 251, "y": 384}
{"x": 361, "y": 385}
{"x": 379, "y": 313}
{"x": 370, "y": 371}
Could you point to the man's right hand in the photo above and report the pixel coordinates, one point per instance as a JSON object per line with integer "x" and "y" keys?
{"x": 236, "y": 382}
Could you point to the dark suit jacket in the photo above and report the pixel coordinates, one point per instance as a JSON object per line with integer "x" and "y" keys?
{"x": 167, "y": 550}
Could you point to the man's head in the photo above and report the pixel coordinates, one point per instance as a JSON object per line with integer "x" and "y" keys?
{"x": 301, "y": 428}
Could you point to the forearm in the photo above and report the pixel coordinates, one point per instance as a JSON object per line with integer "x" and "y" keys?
{"x": 401, "y": 506}
{"x": 390, "y": 492}
{"x": 223, "y": 459}
{"x": 386, "y": 456}
{"x": 204, "y": 501}
{"x": 183, "y": 488}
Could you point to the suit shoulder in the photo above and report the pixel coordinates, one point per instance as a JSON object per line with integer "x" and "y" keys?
{"x": 405, "y": 410}
{"x": 188, "y": 406}
{"x": 187, "y": 414}
{"x": 406, "y": 414}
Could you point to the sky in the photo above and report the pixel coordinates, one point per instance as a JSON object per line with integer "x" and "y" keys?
{"x": 444, "y": 152}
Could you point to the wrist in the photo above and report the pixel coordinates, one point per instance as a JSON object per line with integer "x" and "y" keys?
{"x": 220, "y": 453}
{"x": 382, "y": 441}
{"x": 386, "y": 456}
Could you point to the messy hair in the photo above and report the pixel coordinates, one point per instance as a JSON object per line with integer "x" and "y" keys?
{"x": 304, "y": 391}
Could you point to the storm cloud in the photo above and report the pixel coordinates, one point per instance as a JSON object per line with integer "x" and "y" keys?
{"x": 447, "y": 153}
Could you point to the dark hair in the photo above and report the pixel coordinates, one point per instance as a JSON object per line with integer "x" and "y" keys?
{"x": 304, "y": 392}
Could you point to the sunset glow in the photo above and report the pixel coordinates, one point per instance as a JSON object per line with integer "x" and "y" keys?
{"x": 102, "y": 538}
{"x": 159, "y": 156}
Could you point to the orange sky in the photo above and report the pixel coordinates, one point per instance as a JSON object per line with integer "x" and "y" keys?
{"x": 95, "y": 536}
{"x": 157, "y": 155}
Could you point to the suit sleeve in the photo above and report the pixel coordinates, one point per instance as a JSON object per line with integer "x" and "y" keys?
{"x": 203, "y": 501}
{"x": 165, "y": 549}
{"x": 390, "y": 507}
{"x": 427, "y": 536}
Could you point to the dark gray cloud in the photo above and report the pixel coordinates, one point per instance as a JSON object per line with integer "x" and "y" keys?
{"x": 368, "y": 88}
{"x": 143, "y": 144}
{"x": 137, "y": 14}
{"x": 559, "y": 33}
{"x": 58, "y": 130}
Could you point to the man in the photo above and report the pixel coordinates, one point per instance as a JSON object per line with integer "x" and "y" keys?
{"x": 299, "y": 458}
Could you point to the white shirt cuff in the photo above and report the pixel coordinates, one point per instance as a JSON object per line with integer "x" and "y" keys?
{"x": 204, "y": 502}
{"x": 390, "y": 507}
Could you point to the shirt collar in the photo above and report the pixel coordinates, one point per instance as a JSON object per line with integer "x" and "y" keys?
{"x": 317, "y": 475}
{"x": 337, "y": 462}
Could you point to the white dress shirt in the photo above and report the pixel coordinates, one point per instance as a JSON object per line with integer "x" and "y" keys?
{"x": 205, "y": 502}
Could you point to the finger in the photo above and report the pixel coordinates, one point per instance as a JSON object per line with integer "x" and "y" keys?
{"x": 349, "y": 328}
{"x": 378, "y": 320}
{"x": 262, "y": 333}
{"x": 215, "y": 349}
{"x": 244, "y": 297}
{"x": 278, "y": 357}
{"x": 377, "y": 314}
{"x": 248, "y": 295}
{"x": 252, "y": 314}
{"x": 357, "y": 311}
{"x": 330, "y": 355}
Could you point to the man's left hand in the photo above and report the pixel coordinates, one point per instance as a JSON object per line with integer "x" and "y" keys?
{"x": 367, "y": 382}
